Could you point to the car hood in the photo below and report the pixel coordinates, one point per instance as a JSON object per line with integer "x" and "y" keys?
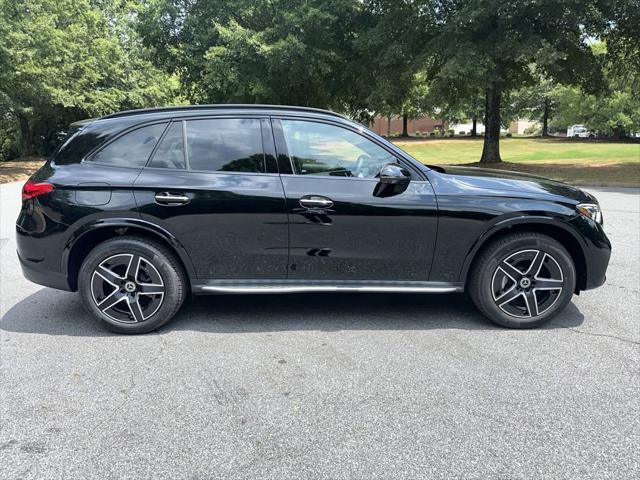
{"x": 496, "y": 181}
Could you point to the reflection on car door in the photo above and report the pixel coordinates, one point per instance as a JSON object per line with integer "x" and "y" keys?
{"x": 338, "y": 229}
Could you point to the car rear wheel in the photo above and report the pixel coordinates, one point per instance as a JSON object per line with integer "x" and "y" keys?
{"x": 522, "y": 280}
{"x": 132, "y": 285}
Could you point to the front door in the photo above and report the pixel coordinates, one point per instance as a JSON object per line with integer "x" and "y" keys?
{"x": 338, "y": 229}
{"x": 213, "y": 186}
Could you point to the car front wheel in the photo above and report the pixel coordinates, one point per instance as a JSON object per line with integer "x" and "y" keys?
{"x": 522, "y": 280}
{"x": 132, "y": 285}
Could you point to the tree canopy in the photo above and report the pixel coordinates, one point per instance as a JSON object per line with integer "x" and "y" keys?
{"x": 62, "y": 60}
{"x": 279, "y": 51}
{"x": 66, "y": 59}
{"x": 501, "y": 46}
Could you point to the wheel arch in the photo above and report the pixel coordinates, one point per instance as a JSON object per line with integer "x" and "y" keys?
{"x": 85, "y": 238}
{"x": 544, "y": 225}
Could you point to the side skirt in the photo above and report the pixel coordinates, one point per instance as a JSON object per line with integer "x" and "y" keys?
{"x": 301, "y": 286}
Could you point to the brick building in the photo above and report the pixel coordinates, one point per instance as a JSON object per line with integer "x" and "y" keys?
{"x": 422, "y": 125}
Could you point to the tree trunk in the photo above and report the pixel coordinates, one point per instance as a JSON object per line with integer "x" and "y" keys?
{"x": 491, "y": 148}
{"x": 388, "y": 126}
{"x": 405, "y": 121}
{"x": 474, "y": 128}
{"x": 26, "y": 136}
{"x": 545, "y": 119}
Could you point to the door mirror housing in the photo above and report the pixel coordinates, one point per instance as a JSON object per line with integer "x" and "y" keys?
{"x": 393, "y": 179}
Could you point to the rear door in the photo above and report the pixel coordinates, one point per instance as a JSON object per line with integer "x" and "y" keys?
{"x": 338, "y": 229}
{"x": 213, "y": 184}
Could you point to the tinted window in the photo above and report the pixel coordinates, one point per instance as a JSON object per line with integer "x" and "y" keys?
{"x": 73, "y": 130}
{"x": 91, "y": 134}
{"x": 132, "y": 149}
{"x": 170, "y": 152}
{"x": 321, "y": 149}
{"x": 230, "y": 145}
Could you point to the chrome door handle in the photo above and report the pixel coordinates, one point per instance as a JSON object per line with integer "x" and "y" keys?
{"x": 168, "y": 198}
{"x": 316, "y": 201}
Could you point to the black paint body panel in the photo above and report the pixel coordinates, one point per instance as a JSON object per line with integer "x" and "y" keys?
{"x": 251, "y": 226}
{"x": 234, "y": 226}
{"x": 361, "y": 237}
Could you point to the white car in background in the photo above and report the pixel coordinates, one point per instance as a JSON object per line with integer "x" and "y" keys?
{"x": 578, "y": 131}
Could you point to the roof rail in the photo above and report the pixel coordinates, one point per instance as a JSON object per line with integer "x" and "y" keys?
{"x": 222, "y": 106}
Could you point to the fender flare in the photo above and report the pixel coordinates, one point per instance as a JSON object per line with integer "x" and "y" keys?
{"x": 123, "y": 222}
{"x": 507, "y": 223}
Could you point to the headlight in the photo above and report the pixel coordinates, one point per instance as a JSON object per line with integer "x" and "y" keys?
{"x": 590, "y": 210}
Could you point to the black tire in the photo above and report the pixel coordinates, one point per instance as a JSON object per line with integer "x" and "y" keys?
{"x": 504, "y": 297}
{"x": 159, "y": 287}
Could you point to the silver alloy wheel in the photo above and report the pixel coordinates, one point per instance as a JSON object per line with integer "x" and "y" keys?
{"x": 527, "y": 283}
{"x": 127, "y": 288}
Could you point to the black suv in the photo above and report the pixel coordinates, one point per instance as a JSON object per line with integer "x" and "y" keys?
{"x": 138, "y": 209}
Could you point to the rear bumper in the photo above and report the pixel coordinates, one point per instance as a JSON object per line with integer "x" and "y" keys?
{"x": 33, "y": 272}
{"x": 40, "y": 242}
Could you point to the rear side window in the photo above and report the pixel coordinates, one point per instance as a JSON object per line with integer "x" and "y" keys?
{"x": 225, "y": 144}
{"x": 133, "y": 148}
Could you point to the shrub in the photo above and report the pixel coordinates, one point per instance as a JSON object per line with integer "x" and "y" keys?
{"x": 9, "y": 138}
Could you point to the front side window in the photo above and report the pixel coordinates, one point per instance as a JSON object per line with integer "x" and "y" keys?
{"x": 225, "y": 144}
{"x": 322, "y": 149}
{"x": 132, "y": 149}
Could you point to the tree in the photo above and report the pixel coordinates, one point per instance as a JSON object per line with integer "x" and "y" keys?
{"x": 504, "y": 45}
{"x": 61, "y": 60}
{"x": 618, "y": 113}
{"x": 473, "y": 108}
{"x": 615, "y": 110}
{"x": 622, "y": 36}
{"x": 387, "y": 47}
{"x": 277, "y": 51}
{"x": 536, "y": 102}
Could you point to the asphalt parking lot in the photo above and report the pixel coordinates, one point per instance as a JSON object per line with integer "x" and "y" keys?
{"x": 324, "y": 386}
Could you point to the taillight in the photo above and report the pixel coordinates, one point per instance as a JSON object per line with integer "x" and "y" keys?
{"x": 35, "y": 189}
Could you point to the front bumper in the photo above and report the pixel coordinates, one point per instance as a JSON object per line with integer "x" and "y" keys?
{"x": 597, "y": 251}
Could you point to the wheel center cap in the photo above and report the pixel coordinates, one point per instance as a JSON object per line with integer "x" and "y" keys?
{"x": 525, "y": 282}
{"x": 130, "y": 287}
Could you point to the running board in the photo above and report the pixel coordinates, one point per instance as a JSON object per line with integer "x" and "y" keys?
{"x": 275, "y": 286}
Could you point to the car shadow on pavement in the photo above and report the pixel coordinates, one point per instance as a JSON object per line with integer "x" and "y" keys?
{"x": 52, "y": 312}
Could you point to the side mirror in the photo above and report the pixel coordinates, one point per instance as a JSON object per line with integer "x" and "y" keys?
{"x": 393, "y": 179}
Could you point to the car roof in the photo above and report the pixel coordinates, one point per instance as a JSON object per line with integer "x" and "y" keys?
{"x": 132, "y": 117}
{"x": 188, "y": 110}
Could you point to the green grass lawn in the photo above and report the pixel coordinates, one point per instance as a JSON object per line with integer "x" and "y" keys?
{"x": 585, "y": 162}
{"x": 518, "y": 150}
{"x": 578, "y": 162}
